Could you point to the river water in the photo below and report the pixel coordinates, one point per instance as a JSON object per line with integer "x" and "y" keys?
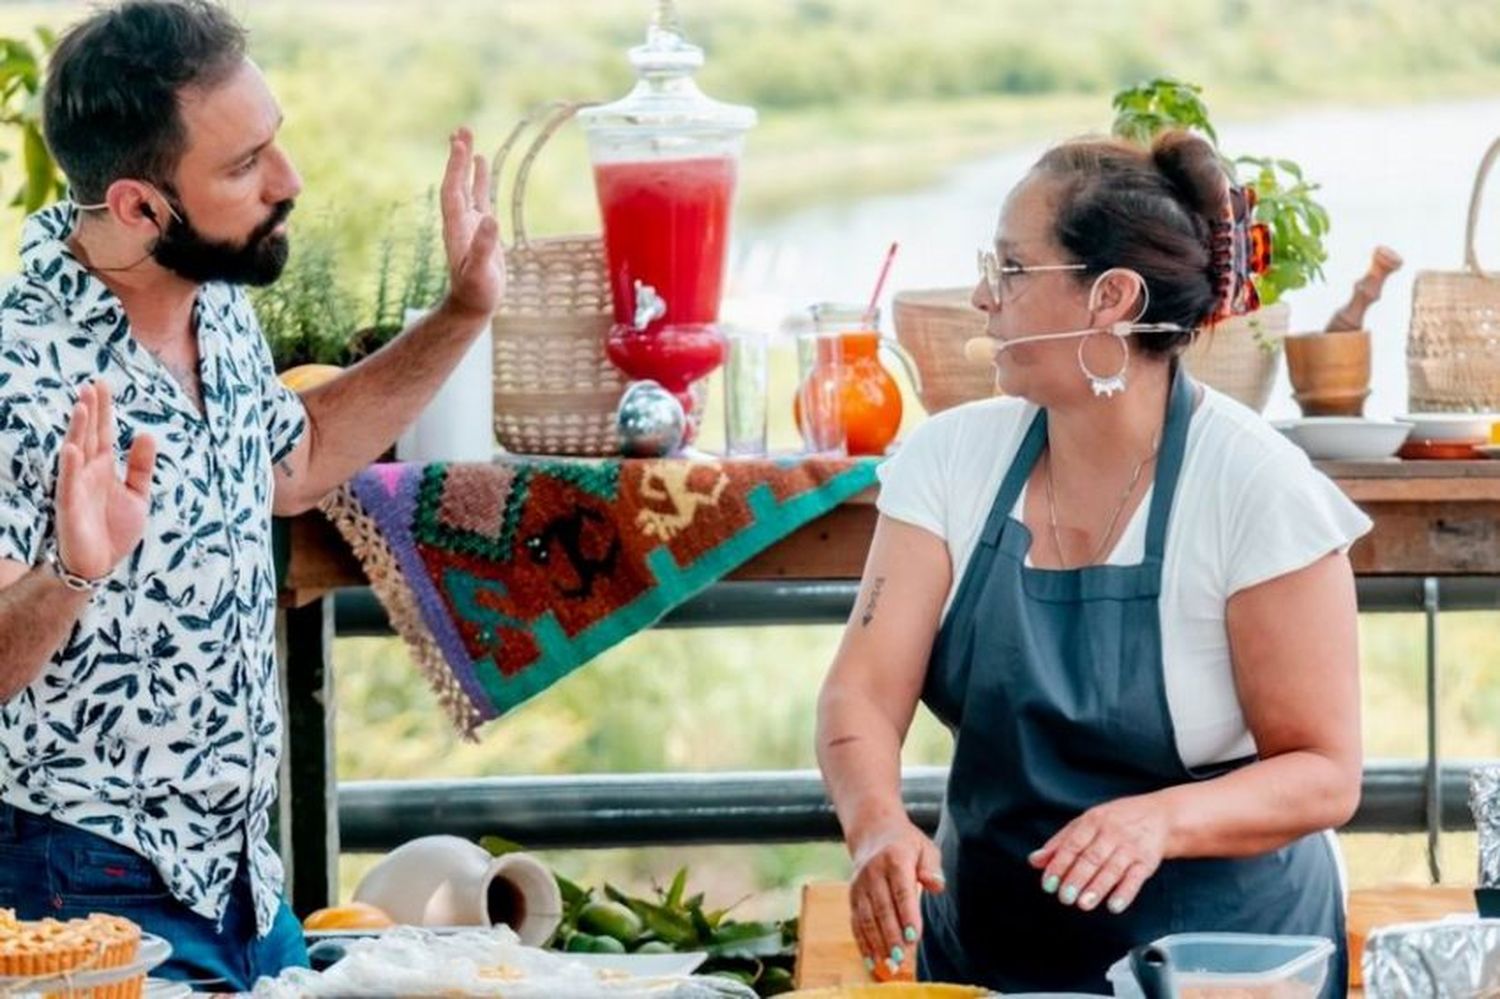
{"x": 1395, "y": 175}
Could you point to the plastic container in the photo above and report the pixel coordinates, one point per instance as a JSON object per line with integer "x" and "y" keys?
{"x": 1237, "y": 966}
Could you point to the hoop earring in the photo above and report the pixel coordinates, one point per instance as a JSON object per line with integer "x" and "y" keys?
{"x": 1106, "y": 386}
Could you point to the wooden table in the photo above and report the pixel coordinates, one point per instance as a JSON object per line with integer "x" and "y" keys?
{"x": 1432, "y": 518}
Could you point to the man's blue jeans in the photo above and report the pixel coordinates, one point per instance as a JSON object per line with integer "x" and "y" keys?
{"x": 49, "y": 868}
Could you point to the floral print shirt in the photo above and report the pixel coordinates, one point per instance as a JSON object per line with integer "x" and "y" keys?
{"x": 158, "y": 723}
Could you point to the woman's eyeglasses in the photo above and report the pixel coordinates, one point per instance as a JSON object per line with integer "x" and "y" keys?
{"x": 1000, "y": 278}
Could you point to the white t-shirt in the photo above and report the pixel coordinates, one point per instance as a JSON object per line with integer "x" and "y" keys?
{"x": 1249, "y": 507}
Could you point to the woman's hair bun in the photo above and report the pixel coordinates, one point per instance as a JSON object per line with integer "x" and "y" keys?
{"x": 1195, "y": 171}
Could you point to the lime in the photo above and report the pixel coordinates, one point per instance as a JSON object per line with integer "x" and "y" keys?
{"x": 655, "y": 947}
{"x": 774, "y": 981}
{"x": 610, "y": 919}
{"x": 588, "y": 943}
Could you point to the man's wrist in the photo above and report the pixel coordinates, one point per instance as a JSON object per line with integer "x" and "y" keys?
{"x": 73, "y": 581}
{"x": 462, "y": 316}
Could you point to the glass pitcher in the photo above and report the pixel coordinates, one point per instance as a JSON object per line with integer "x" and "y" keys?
{"x": 870, "y": 403}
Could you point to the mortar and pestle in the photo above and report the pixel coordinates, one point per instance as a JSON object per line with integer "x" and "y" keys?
{"x": 1330, "y": 370}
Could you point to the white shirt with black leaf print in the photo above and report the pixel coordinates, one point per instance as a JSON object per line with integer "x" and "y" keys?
{"x": 158, "y": 724}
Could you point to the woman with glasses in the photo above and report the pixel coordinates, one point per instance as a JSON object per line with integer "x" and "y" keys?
{"x": 1126, "y": 595}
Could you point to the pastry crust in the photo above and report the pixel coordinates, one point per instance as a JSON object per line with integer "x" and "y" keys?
{"x": 46, "y": 947}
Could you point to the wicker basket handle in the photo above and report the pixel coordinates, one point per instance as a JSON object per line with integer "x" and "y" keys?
{"x": 556, "y": 115}
{"x": 1471, "y": 256}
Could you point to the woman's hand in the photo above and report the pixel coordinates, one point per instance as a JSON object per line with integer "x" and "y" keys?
{"x": 891, "y": 863}
{"x": 1106, "y": 854}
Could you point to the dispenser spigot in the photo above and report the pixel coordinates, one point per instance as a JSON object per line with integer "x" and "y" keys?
{"x": 649, "y": 306}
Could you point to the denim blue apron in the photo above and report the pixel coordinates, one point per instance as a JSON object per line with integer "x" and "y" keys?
{"x": 1052, "y": 683}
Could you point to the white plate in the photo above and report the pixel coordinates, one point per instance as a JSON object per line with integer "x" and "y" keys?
{"x": 1346, "y": 438}
{"x": 1450, "y": 426}
{"x": 641, "y": 965}
{"x": 160, "y": 988}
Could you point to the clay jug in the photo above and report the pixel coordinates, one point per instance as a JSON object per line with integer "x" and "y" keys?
{"x": 450, "y": 881}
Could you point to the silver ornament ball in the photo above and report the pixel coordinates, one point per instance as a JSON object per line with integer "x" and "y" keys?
{"x": 649, "y": 422}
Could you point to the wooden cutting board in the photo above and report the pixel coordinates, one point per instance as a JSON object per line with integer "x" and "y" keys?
{"x": 826, "y": 951}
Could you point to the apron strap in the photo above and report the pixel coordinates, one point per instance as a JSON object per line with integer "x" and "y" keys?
{"x": 1015, "y": 478}
{"x": 1169, "y": 465}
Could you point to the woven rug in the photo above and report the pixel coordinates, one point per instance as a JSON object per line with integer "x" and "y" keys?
{"x": 505, "y": 577}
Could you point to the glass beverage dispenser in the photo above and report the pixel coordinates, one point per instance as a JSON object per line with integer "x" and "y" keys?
{"x": 665, "y": 161}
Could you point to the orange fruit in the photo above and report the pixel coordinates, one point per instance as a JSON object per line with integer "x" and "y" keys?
{"x": 352, "y": 916}
{"x": 308, "y": 376}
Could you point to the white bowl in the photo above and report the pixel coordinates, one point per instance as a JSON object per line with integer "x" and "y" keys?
{"x": 1346, "y": 438}
{"x": 1436, "y": 427}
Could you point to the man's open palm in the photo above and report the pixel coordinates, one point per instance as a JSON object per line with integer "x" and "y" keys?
{"x": 471, "y": 237}
{"x": 100, "y": 516}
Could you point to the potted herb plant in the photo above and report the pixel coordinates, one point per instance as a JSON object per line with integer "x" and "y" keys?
{"x": 317, "y": 319}
{"x": 1239, "y": 356}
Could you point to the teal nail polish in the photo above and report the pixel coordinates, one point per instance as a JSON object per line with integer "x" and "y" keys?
{"x": 1088, "y": 901}
{"x": 897, "y": 955}
{"x": 910, "y": 933}
{"x": 892, "y": 966}
{"x": 1069, "y": 895}
{"x": 870, "y": 965}
{"x": 1050, "y": 885}
{"x": 1116, "y": 906}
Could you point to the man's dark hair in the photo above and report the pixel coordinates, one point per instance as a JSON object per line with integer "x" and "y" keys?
{"x": 110, "y": 105}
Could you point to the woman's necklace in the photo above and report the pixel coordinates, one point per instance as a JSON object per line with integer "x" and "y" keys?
{"x": 1114, "y": 519}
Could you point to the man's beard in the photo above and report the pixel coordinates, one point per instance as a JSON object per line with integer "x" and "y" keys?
{"x": 259, "y": 261}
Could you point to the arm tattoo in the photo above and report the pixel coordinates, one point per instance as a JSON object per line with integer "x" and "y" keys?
{"x": 285, "y": 467}
{"x": 869, "y": 614}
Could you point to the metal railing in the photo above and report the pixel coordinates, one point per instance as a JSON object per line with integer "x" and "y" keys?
{"x": 609, "y": 810}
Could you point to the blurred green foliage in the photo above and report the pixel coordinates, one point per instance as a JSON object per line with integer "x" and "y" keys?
{"x": 21, "y": 67}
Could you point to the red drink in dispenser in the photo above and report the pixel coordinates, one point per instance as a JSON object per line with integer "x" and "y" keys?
{"x": 665, "y": 163}
{"x": 666, "y": 224}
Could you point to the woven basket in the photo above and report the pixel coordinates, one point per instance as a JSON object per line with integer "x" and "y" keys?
{"x": 933, "y": 325}
{"x": 555, "y": 388}
{"x": 1230, "y": 357}
{"x": 1453, "y": 347}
